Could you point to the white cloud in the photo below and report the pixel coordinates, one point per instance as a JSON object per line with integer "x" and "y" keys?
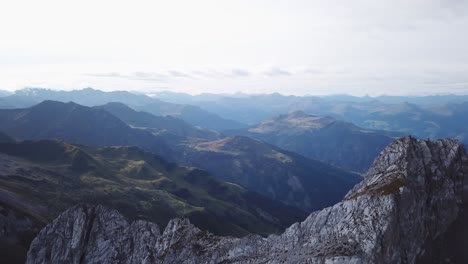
{"x": 276, "y": 71}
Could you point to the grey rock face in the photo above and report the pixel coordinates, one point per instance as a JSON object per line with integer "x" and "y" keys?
{"x": 410, "y": 197}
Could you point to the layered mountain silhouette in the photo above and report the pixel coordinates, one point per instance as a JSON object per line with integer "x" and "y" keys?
{"x": 39, "y": 179}
{"x": 421, "y": 116}
{"x": 92, "y": 97}
{"x": 332, "y": 141}
{"x": 288, "y": 177}
{"x": 436, "y": 116}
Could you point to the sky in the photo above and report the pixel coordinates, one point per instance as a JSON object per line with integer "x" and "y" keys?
{"x": 359, "y": 47}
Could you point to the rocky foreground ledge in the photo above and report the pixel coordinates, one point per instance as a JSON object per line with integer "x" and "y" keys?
{"x": 414, "y": 193}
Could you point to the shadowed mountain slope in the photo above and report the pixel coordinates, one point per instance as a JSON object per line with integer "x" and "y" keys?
{"x": 271, "y": 171}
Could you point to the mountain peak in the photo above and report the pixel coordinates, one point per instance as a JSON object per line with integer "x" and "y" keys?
{"x": 30, "y": 91}
{"x": 54, "y": 103}
{"x": 90, "y": 89}
{"x": 294, "y": 123}
{"x": 297, "y": 114}
{"x": 240, "y": 139}
{"x": 233, "y": 143}
{"x": 400, "y": 164}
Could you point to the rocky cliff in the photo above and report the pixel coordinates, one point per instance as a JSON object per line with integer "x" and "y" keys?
{"x": 413, "y": 194}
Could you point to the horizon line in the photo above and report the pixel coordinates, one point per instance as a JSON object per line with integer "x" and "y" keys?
{"x": 233, "y": 94}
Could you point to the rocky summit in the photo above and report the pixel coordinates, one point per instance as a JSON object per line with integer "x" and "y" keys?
{"x": 409, "y": 200}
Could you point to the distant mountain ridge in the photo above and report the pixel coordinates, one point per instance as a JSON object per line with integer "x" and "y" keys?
{"x": 4, "y": 93}
{"x": 331, "y": 141}
{"x": 92, "y": 97}
{"x": 184, "y": 98}
{"x": 436, "y": 116}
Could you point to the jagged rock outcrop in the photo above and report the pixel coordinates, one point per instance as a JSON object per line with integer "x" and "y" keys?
{"x": 409, "y": 198}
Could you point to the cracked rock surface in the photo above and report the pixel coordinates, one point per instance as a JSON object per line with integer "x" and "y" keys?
{"x": 410, "y": 197}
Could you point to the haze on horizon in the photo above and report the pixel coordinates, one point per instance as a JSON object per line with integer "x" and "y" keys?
{"x": 392, "y": 47}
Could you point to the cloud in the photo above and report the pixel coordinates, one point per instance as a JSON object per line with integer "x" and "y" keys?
{"x": 240, "y": 73}
{"x": 174, "y": 75}
{"x": 148, "y": 76}
{"x": 179, "y": 74}
{"x": 312, "y": 71}
{"x": 223, "y": 73}
{"x": 105, "y": 75}
{"x": 138, "y": 75}
{"x": 276, "y": 71}
{"x": 208, "y": 74}
{"x": 169, "y": 75}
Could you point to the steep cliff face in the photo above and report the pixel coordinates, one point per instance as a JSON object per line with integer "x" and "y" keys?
{"x": 411, "y": 196}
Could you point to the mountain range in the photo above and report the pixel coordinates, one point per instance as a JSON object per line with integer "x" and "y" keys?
{"x": 255, "y": 179}
{"x": 287, "y": 177}
{"x": 184, "y": 98}
{"x": 92, "y": 97}
{"x": 39, "y": 179}
{"x": 422, "y": 116}
{"x": 194, "y": 157}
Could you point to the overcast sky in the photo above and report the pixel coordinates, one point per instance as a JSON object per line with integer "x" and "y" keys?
{"x": 293, "y": 47}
